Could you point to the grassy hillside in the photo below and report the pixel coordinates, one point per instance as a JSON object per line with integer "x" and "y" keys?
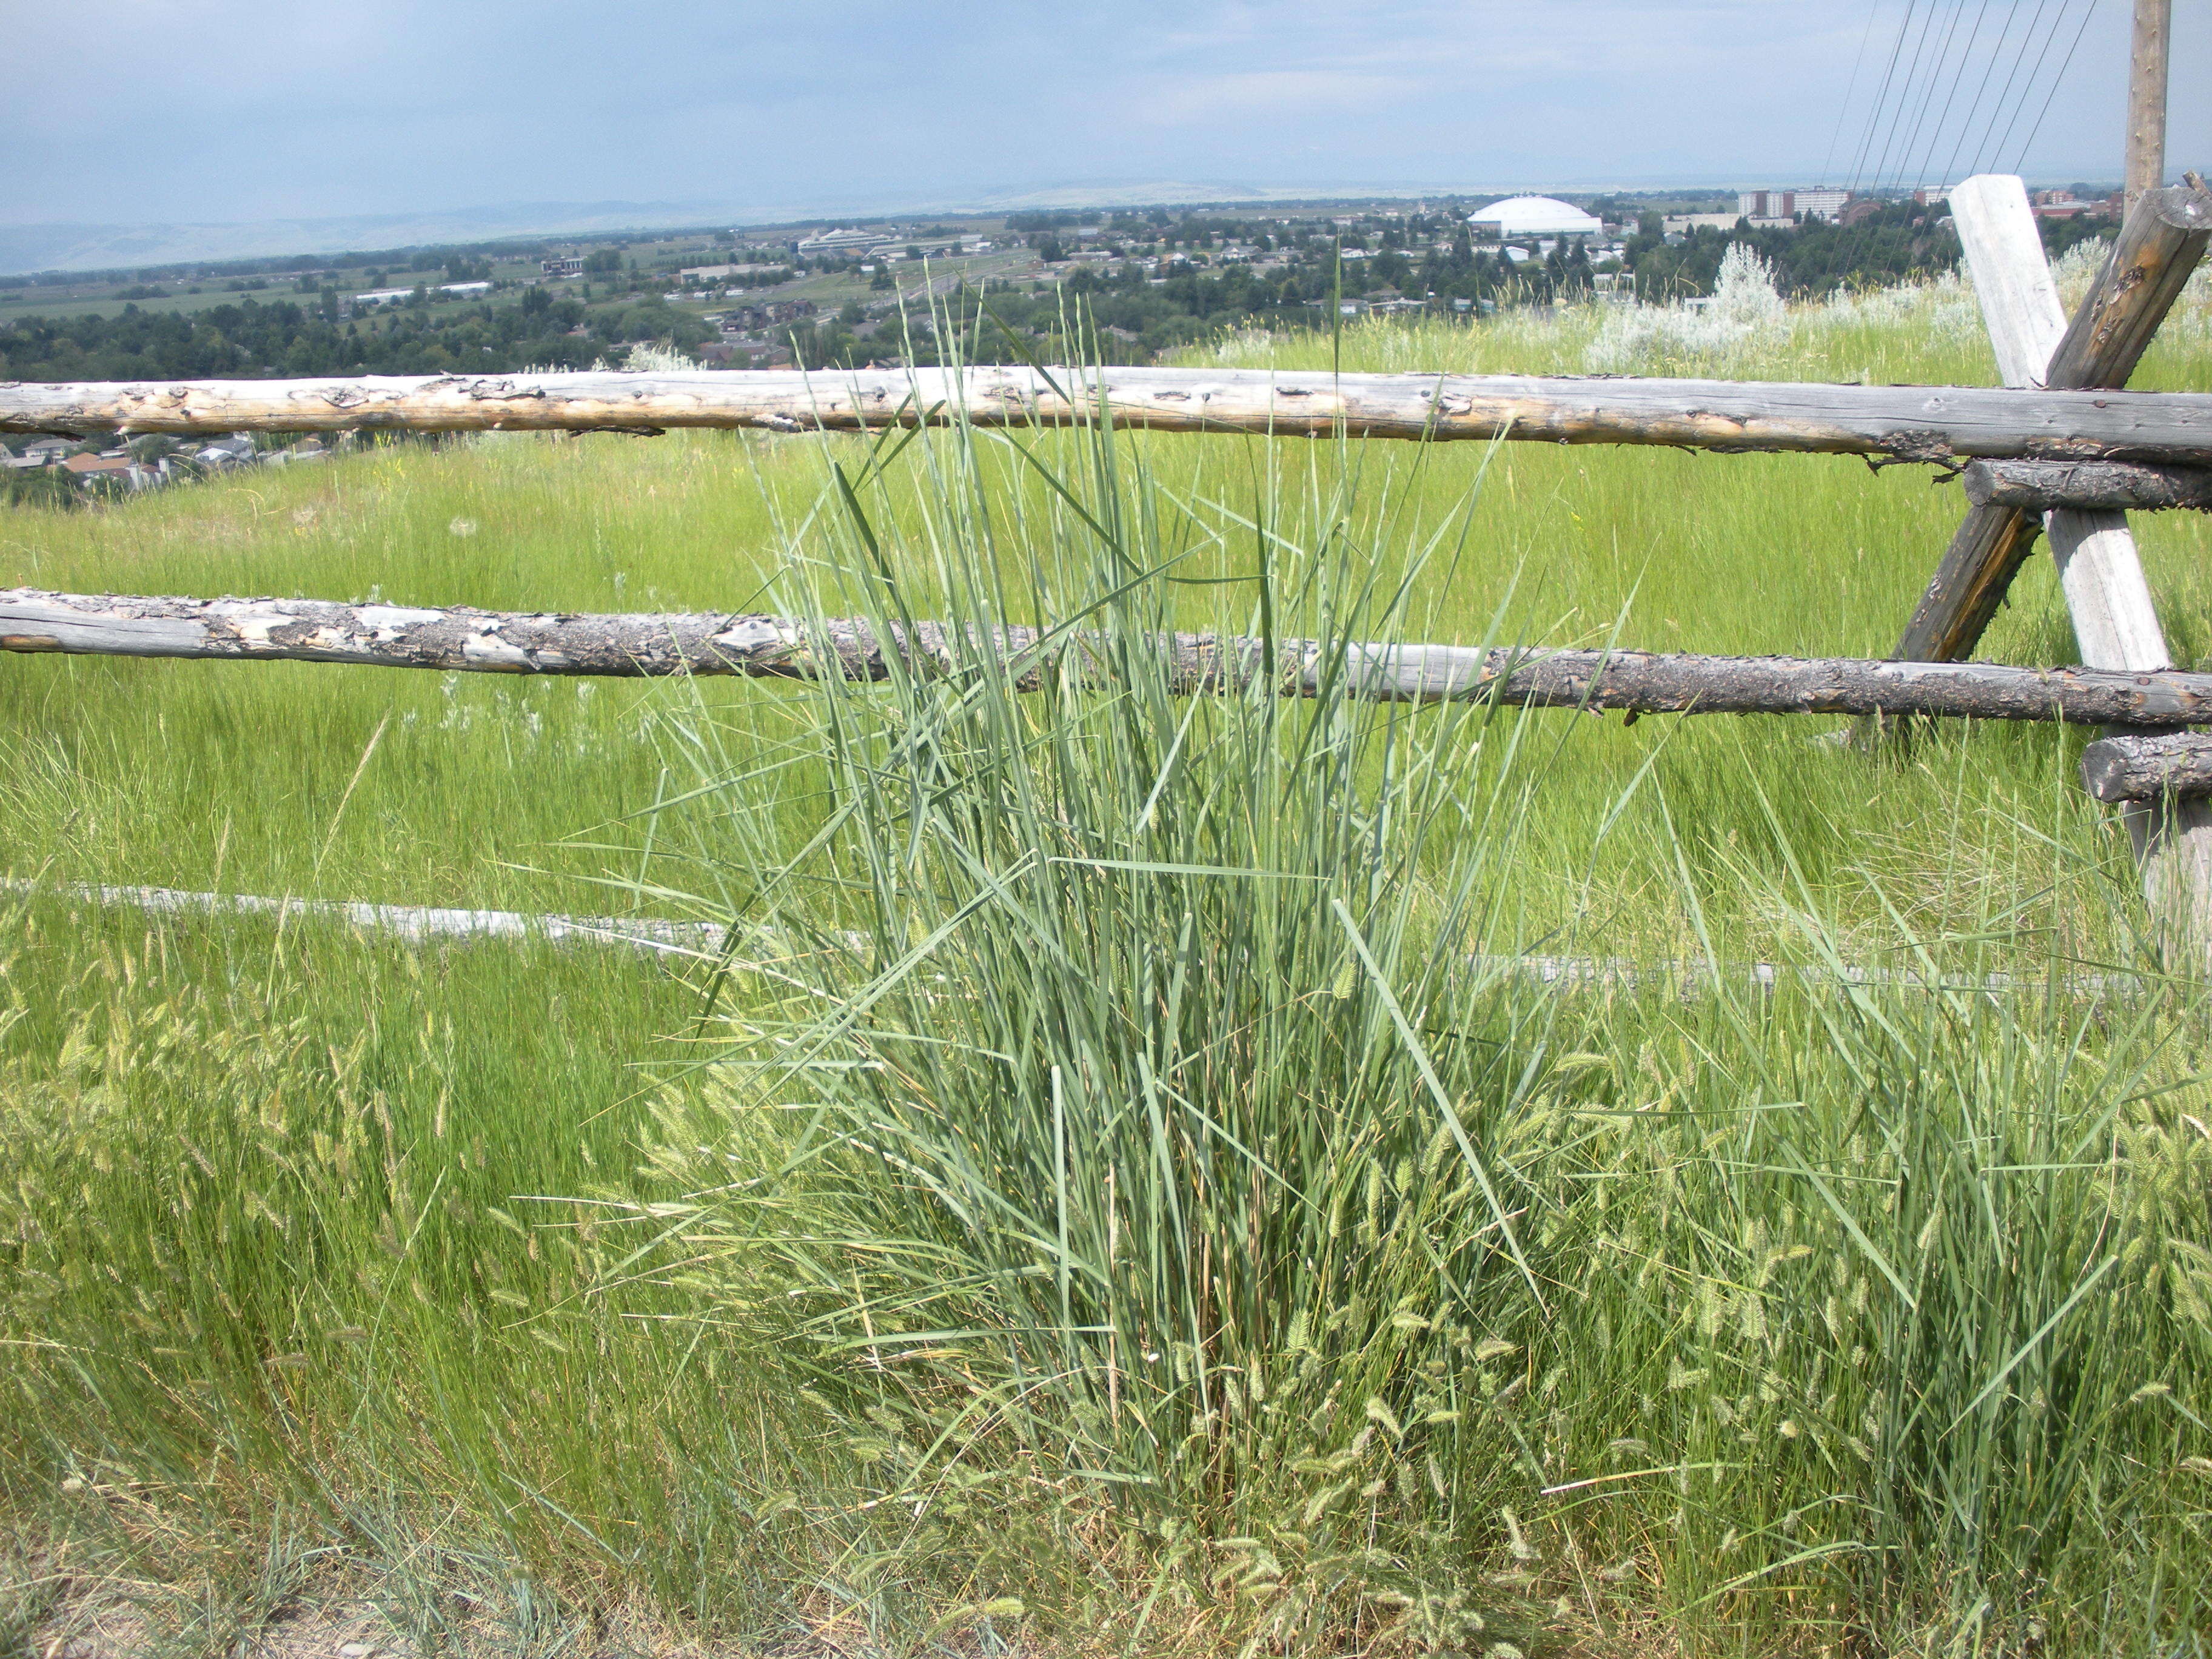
{"x": 1118, "y": 1196}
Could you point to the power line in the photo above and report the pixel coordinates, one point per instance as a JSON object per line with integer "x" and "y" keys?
{"x": 1897, "y": 115}
{"x": 1865, "y": 235}
{"x": 2027, "y": 91}
{"x": 1986, "y": 150}
{"x": 1928, "y": 98}
{"x": 1957, "y": 79}
{"x": 1844, "y": 109}
{"x": 1951, "y": 167}
{"x": 2087, "y": 12}
{"x": 1874, "y": 114}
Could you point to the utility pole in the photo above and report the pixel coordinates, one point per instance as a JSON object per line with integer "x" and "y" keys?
{"x": 2147, "y": 97}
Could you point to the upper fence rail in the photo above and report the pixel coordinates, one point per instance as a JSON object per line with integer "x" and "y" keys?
{"x": 1946, "y": 425}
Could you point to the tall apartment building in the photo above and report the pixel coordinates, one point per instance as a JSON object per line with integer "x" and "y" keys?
{"x": 1788, "y": 203}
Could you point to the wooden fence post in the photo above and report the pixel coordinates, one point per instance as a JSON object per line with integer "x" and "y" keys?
{"x": 2158, "y": 246}
{"x": 2115, "y": 622}
{"x": 2146, "y": 75}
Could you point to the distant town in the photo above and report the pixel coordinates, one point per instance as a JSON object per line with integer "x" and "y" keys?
{"x": 1126, "y": 285}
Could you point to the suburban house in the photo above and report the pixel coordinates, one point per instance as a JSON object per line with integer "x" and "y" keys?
{"x": 235, "y": 450}
{"x": 116, "y": 471}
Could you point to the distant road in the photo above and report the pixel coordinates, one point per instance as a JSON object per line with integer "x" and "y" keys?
{"x": 935, "y": 288}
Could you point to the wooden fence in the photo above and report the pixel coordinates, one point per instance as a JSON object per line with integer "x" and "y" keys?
{"x": 2061, "y": 450}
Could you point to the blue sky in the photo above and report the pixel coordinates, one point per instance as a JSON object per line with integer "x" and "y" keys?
{"x": 143, "y": 111}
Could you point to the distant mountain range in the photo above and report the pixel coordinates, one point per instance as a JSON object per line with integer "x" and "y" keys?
{"x": 33, "y": 247}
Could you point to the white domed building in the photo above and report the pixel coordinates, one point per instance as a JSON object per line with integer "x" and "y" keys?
{"x": 1518, "y": 216}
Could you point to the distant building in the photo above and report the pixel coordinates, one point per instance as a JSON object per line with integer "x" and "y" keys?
{"x": 569, "y": 265}
{"x": 724, "y": 273}
{"x": 1786, "y": 204}
{"x": 751, "y": 320}
{"x": 1676, "y": 224}
{"x": 387, "y": 296}
{"x": 234, "y": 451}
{"x": 1531, "y": 216}
{"x": 843, "y": 241}
{"x": 2065, "y": 204}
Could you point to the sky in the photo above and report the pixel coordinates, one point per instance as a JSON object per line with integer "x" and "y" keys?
{"x": 142, "y": 111}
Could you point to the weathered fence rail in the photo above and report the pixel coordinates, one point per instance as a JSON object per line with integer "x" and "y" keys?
{"x": 2143, "y": 767}
{"x": 710, "y": 940}
{"x": 1920, "y": 423}
{"x": 2087, "y": 486}
{"x": 766, "y": 647}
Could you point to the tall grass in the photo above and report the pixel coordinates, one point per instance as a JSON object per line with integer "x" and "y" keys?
{"x": 1139, "y": 1093}
{"x": 1120, "y": 1192}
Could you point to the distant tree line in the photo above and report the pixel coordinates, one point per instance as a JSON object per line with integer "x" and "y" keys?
{"x": 1893, "y": 244}
{"x": 281, "y": 337}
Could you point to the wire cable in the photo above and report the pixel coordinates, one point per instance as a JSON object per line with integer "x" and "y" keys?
{"x": 1966, "y": 55}
{"x": 1987, "y": 150}
{"x": 1905, "y": 51}
{"x": 1897, "y": 115}
{"x": 1940, "y": 66}
{"x": 1844, "y": 109}
{"x": 2027, "y": 91}
{"x": 2087, "y": 12}
{"x": 1966, "y": 125}
{"x": 1928, "y": 98}
{"x": 1874, "y": 114}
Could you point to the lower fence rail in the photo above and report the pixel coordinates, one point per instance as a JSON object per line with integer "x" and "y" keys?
{"x": 719, "y": 944}
{"x": 626, "y": 646}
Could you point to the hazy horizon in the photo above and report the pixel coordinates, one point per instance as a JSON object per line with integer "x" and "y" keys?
{"x": 280, "y": 115}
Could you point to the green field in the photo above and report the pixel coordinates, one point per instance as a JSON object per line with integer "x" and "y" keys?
{"x": 1116, "y": 1198}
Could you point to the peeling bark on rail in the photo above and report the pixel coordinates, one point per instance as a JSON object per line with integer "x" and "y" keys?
{"x": 1921, "y": 423}
{"x": 492, "y": 642}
